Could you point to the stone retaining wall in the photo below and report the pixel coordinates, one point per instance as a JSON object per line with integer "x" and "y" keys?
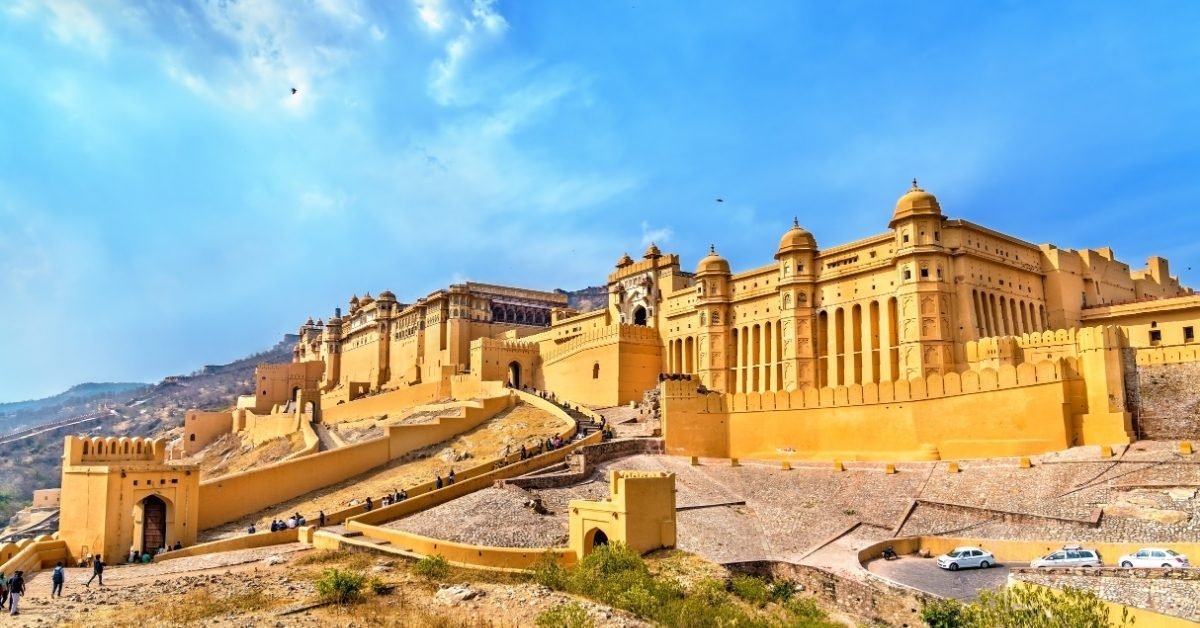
{"x": 1157, "y": 597}
{"x": 582, "y": 463}
{"x": 869, "y": 599}
{"x": 1164, "y": 400}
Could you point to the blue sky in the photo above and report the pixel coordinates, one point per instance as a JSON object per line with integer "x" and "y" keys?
{"x": 165, "y": 202}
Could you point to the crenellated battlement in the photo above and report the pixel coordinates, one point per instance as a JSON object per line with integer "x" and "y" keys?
{"x": 101, "y": 450}
{"x": 917, "y": 389}
{"x": 506, "y": 345}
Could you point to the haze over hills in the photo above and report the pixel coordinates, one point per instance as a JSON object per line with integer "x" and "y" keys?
{"x": 78, "y": 392}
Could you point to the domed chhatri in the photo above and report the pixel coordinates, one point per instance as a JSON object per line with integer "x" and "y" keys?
{"x": 652, "y": 252}
{"x": 712, "y": 264}
{"x": 915, "y": 202}
{"x": 795, "y": 239}
{"x": 387, "y": 295}
{"x": 624, "y": 261}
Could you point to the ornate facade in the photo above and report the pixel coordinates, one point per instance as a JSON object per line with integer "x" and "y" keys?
{"x": 895, "y": 306}
{"x": 381, "y": 343}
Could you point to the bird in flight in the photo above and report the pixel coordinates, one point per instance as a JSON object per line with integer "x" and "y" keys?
{"x": 294, "y": 90}
{"x": 720, "y": 200}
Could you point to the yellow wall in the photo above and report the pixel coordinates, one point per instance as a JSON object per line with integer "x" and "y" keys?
{"x": 263, "y": 538}
{"x": 30, "y": 555}
{"x": 388, "y": 402}
{"x": 232, "y": 496}
{"x": 202, "y": 428}
{"x": 921, "y": 419}
{"x": 639, "y": 512}
{"x": 105, "y": 480}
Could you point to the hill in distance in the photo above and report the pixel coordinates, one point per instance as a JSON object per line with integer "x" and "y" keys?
{"x": 78, "y": 392}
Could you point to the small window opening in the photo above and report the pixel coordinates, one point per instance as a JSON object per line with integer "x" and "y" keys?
{"x": 1155, "y": 336}
{"x": 924, "y": 273}
{"x": 1189, "y": 334}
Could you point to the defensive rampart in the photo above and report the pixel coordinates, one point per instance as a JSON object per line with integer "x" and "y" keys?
{"x": 229, "y": 497}
{"x": 30, "y": 555}
{"x": 1015, "y": 409}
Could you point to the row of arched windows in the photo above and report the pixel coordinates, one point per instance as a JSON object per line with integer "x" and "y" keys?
{"x": 1005, "y": 316}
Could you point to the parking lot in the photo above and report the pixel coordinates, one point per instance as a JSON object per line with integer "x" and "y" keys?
{"x": 924, "y": 574}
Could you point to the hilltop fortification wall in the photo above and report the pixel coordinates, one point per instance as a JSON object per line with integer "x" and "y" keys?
{"x": 1074, "y": 397}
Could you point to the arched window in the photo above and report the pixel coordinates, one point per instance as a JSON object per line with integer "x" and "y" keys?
{"x": 596, "y": 371}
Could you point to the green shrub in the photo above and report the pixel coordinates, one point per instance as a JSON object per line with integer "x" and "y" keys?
{"x": 750, "y": 589}
{"x": 782, "y": 590}
{"x": 802, "y": 611}
{"x": 433, "y": 567}
{"x": 340, "y": 587}
{"x": 379, "y": 587}
{"x": 548, "y": 573}
{"x": 943, "y": 614}
{"x": 565, "y": 616}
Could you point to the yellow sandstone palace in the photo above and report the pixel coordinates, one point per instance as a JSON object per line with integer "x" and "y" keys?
{"x": 937, "y": 339}
{"x": 898, "y": 329}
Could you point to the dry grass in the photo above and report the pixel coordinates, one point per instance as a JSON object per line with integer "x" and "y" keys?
{"x": 392, "y": 611}
{"x": 195, "y": 606}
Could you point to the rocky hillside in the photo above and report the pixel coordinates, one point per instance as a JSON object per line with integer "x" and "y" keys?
{"x": 587, "y": 299}
{"x": 18, "y": 415}
{"x": 147, "y": 411}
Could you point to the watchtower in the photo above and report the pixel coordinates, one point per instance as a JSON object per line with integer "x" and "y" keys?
{"x": 640, "y": 513}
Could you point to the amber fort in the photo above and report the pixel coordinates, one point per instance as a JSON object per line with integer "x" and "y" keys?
{"x": 903, "y": 390}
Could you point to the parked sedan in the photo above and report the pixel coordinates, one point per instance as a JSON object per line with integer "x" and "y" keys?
{"x": 966, "y": 557}
{"x": 1154, "y": 557}
{"x": 1070, "y": 556}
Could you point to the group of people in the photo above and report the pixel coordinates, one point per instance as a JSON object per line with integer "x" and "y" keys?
{"x": 145, "y": 556}
{"x": 13, "y": 588}
{"x": 394, "y": 497}
{"x": 295, "y": 521}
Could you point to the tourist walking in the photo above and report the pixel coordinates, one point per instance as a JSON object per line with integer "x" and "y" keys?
{"x": 16, "y": 588}
{"x": 438, "y": 483}
{"x": 369, "y": 505}
{"x": 57, "y": 577}
{"x": 97, "y": 571}
{"x": 451, "y": 477}
{"x": 321, "y": 515}
{"x": 3, "y": 590}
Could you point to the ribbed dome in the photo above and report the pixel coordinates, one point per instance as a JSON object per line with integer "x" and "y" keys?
{"x": 652, "y": 252}
{"x": 795, "y": 239}
{"x": 309, "y": 322}
{"x": 387, "y": 295}
{"x": 916, "y": 202}
{"x": 366, "y": 300}
{"x": 712, "y": 264}
{"x": 624, "y": 261}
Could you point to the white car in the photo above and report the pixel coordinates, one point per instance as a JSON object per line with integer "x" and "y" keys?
{"x": 1154, "y": 557}
{"x": 966, "y": 557}
{"x": 1069, "y": 556}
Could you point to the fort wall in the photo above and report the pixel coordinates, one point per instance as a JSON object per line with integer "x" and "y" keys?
{"x": 386, "y": 402}
{"x": 201, "y": 428}
{"x": 227, "y": 498}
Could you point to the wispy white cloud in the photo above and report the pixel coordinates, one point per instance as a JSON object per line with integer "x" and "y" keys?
{"x": 655, "y": 235}
{"x": 70, "y": 22}
{"x": 430, "y": 14}
{"x": 468, "y": 32}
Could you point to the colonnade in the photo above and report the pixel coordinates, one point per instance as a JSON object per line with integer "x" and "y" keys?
{"x": 757, "y": 357}
{"x": 681, "y": 355}
{"x": 1006, "y": 316}
{"x": 858, "y": 344}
